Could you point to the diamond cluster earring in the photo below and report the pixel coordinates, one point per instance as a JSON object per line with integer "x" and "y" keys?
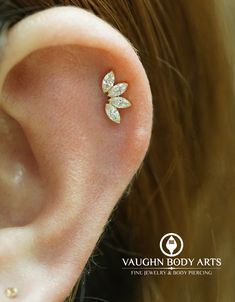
{"x": 115, "y": 101}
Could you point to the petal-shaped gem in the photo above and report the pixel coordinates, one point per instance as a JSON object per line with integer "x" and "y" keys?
{"x": 112, "y": 113}
{"x": 117, "y": 89}
{"x": 108, "y": 81}
{"x": 119, "y": 102}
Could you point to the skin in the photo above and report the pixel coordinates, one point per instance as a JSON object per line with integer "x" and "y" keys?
{"x": 63, "y": 163}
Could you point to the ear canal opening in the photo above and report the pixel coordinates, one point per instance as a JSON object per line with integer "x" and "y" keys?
{"x": 20, "y": 194}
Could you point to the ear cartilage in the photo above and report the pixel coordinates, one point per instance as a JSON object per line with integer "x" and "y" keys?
{"x": 115, "y": 101}
{"x": 11, "y": 292}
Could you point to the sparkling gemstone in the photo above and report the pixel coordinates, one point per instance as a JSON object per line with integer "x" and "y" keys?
{"x": 119, "y": 102}
{"x": 11, "y": 292}
{"x": 112, "y": 113}
{"x": 117, "y": 90}
{"x": 108, "y": 81}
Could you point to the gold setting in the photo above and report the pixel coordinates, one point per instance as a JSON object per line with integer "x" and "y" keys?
{"x": 11, "y": 292}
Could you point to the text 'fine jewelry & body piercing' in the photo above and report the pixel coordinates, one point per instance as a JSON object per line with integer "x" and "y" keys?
{"x": 115, "y": 100}
{"x": 11, "y": 292}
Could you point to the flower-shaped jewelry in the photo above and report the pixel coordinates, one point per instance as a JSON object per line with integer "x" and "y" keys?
{"x": 115, "y": 101}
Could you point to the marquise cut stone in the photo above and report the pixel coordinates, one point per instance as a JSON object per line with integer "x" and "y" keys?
{"x": 119, "y": 102}
{"x": 117, "y": 90}
{"x": 112, "y": 113}
{"x": 108, "y": 81}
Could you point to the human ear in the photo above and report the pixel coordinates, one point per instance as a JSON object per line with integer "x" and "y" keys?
{"x": 63, "y": 163}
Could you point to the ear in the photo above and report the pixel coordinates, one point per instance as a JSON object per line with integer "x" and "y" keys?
{"x": 64, "y": 163}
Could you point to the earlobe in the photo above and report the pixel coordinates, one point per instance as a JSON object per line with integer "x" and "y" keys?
{"x": 52, "y": 86}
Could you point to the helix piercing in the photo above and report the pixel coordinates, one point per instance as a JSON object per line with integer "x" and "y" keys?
{"x": 115, "y": 100}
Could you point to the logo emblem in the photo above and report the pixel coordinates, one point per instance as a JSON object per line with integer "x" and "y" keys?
{"x": 171, "y": 244}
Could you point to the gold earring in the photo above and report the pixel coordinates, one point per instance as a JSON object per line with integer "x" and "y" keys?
{"x": 11, "y": 292}
{"x": 115, "y": 100}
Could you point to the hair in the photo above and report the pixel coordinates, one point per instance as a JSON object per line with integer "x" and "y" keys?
{"x": 186, "y": 182}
